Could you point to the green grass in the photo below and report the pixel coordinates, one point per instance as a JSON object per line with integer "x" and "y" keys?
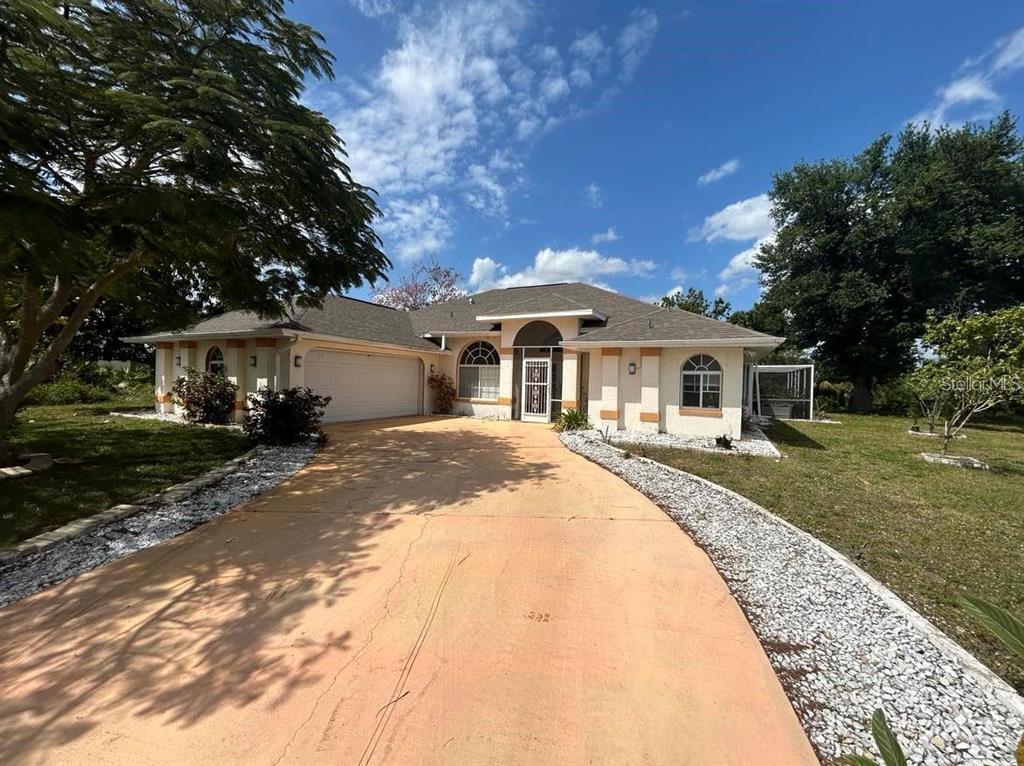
{"x": 112, "y": 460}
{"x": 929, "y": 532}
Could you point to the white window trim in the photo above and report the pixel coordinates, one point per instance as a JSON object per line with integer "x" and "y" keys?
{"x": 703, "y": 376}
{"x": 478, "y": 392}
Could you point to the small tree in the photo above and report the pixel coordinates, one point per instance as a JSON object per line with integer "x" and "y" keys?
{"x": 206, "y": 397}
{"x": 443, "y": 388}
{"x": 424, "y": 286}
{"x": 932, "y": 397}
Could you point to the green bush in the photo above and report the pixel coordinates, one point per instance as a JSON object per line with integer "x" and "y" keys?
{"x": 572, "y": 420}
{"x": 80, "y": 382}
{"x": 206, "y": 397}
{"x": 285, "y": 417}
{"x": 67, "y": 390}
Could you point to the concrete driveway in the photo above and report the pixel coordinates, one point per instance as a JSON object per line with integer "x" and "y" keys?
{"x": 427, "y": 591}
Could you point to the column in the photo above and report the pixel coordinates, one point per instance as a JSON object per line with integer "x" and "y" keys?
{"x": 164, "y": 360}
{"x": 235, "y": 362}
{"x": 264, "y": 372}
{"x": 506, "y": 358}
{"x": 570, "y": 380}
{"x": 650, "y": 388}
{"x": 610, "y": 386}
{"x": 185, "y": 358}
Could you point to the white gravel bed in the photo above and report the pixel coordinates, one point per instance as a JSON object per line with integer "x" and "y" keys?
{"x": 171, "y": 417}
{"x": 754, "y": 442}
{"x": 842, "y": 644}
{"x": 36, "y": 571}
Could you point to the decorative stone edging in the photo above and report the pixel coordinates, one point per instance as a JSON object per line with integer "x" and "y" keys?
{"x": 173, "y": 494}
{"x": 37, "y": 462}
{"x": 842, "y": 643}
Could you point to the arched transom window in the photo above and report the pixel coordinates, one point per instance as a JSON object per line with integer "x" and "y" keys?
{"x": 702, "y": 382}
{"x": 479, "y": 371}
{"x": 215, "y": 360}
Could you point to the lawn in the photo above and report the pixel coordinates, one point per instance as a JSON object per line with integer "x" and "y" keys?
{"x": 929, "y": 532}
{"x": 111, "y": 460}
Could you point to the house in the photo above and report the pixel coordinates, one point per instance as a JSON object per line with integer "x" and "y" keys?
{"x": 522, "y": 353}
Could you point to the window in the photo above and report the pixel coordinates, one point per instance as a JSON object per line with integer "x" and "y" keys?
{"x": 479, "y": 371}
{"x": 215, "y": 361}
{"x": 702, "y": 382}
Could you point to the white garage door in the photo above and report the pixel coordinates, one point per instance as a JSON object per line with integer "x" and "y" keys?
{"x": 364, "y": 386}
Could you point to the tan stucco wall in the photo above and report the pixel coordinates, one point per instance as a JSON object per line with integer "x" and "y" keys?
{"x": 481, "y": 408}
{"x": 613, "y": 389}
{"x": 275, "y": 367}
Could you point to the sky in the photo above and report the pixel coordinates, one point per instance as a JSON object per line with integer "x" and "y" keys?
{"x": 631, "y": 145}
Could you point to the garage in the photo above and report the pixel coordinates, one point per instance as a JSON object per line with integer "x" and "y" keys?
{"x": 364, "y": 386}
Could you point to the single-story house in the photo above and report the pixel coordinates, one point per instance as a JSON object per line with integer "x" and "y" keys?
{"x": 522, "y": 353}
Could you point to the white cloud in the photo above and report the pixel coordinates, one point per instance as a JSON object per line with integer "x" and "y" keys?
{"x": 635, "y": 40}
{"x": 741, "y": 272}
{"x": 571, "y": 265}
{"x": 608, "y": 235}
{"x": 747, "y": 219}
{"x": 678, "y": 273}
{"x": 462, "y": 81}
{"x": 971, "y": 94}
{"x": 717, "y": 174}
{"x": 592, "y": 194}
{"x": 414, "y": 228}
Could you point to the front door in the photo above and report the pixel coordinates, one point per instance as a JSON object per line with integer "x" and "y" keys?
{"x": 537, "y": 390}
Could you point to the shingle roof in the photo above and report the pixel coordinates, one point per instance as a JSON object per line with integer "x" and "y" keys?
{"x": 628, "y": 319}
{"x": 340, "y": 316}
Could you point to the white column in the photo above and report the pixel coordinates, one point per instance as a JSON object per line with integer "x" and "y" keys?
{"x": 610, "y": 358}
{"x": 236, "y": 362}
{"x": 185, "y": 358}
{"x": 650, "y": 387}
{"x": 506, "y": 377}
{"x": 164, "y": 376}
{"x": 570, "y": 380}
{"x": 264, "y": 373}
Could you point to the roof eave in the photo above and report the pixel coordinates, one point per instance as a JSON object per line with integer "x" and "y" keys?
{"x": 767, "y": 342}
{"x": 575, "y": 313}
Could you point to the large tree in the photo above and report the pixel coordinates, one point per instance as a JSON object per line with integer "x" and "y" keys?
{"x": 425, "y": 285}
{"x": 866, "y": 247}
{"x": 694, "y": 301}
{"x": 162, "y": 144}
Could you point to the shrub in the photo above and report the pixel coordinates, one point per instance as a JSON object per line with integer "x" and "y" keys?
{"x": 285, "y": 417}
{"x": 443, "y": 389}
{"x": 572, "y": 420}
{"x": 67, "y": 390}
{"x": 206, "y": 397}
{"x": 723, "y": 442}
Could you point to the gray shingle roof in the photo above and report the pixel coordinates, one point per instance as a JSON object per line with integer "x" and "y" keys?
{"x": 629, "y": 320}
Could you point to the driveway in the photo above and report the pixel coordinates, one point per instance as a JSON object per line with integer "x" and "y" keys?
{"x": 427, "y": 591}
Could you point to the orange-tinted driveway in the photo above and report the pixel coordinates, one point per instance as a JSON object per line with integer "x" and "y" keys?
{"x": 425, "y": 592}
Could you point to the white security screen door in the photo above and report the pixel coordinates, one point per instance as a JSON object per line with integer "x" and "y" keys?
{"x": 537, "y": 390}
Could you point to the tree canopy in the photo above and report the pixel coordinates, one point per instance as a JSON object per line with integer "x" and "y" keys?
{"x": 866, "y": 247}
{"x": 164, "y": 143}
{"x": 694, "y": 300}
{"x": 425, "y": 285}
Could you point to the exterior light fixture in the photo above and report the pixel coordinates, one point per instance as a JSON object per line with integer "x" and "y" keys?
{"x": 177, "y": 361}
{"x": 298, "y": 360}
{"x": 252, "y": 361}
{"x": 632, "y": 368}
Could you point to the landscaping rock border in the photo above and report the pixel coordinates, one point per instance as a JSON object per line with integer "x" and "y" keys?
{"x": 841, "y": 643}
{"x": 754, "y": 442}
{"x": 86, "y": 543}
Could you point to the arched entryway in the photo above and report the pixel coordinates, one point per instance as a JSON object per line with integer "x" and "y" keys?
{"x": 537, "y": 372}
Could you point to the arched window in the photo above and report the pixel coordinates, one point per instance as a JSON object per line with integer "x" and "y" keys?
{"x": 702, "y": 382}
{"x": 215, "y": 360}
{"x": 479, "y": 371}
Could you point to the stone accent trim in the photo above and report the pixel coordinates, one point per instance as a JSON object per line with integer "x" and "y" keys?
{"x": 477, "y": 401}
{"x": 506, "y": 351}
{"x": 266, "y": 343}
{"x": 164, "y": 344}
{"x": 240, "y": 405}
{"x": 569, "y": 404}
{"x": 652, "y": 351}
{"x": 699, "y": 412}
{"x": 173, "y": 494}
{"x": 504, "y": 401}
{"x": 611, "y": 352}
{"x": 235, "y": 343}
{"x": 650, "y": 417}
{"x": 609, "y": 414}
{"x": 164, "y": 398}
{"x": 186, "y": 344}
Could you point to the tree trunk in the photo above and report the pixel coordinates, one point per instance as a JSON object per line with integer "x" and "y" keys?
{"x": 860, "y": 401}
{"x": 8, "y": 454}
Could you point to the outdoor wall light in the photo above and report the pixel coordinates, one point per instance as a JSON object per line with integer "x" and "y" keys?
{"x": 252, "y": 361}
{"x": 298, "y": 361}
{"x": 632, "y": 368}
{"x": 177, "y": 361}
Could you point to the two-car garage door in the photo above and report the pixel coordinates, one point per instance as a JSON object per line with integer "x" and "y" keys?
{"x": 364, "y": 386}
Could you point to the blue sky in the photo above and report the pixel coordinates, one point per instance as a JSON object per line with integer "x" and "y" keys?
{"x": 631, "y": 145}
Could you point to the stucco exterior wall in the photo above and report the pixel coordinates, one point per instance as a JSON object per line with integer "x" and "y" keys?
{"x": 618, "y": 399}
{"x": 500, "y": 408}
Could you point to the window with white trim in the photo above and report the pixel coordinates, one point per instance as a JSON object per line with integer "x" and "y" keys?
{"x": 215, "y": 361}
{"x": 701, "y": 383}
{"x": 479, "y": 371}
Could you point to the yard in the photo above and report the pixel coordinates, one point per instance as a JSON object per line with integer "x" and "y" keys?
{"x": 929, "y": 532}
{"x": 109, "y": 460}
